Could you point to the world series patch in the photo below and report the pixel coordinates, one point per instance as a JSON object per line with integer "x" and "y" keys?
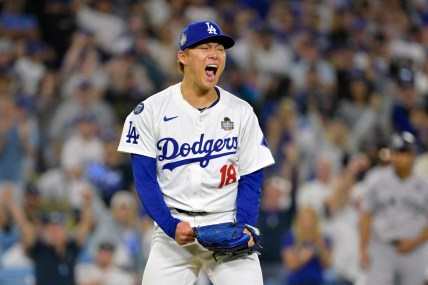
{"x": 183, "y": 39}
{"x": 227, "y": 124}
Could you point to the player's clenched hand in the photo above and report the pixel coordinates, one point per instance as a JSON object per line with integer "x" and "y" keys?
{"x": 407, "y": 245}
{"x": 184, "y": 233}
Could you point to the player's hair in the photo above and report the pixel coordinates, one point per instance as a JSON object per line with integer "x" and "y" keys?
{"x": 302, "y": 236}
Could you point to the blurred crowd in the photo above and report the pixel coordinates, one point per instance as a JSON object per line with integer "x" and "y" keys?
{"x": 330, "y": 81}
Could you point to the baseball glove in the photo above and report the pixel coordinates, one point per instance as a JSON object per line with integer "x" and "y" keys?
{"x": 228, "y": 238}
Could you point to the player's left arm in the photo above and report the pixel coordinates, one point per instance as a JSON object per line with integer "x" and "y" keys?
{"x": 254, "y": 155}
{"x": 248, "y": 198}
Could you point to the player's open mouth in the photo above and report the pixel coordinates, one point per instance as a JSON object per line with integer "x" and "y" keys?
{"x": 211, "y": 70}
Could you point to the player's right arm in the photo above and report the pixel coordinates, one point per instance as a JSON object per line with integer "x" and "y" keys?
{"x": 365, "y": 228}
{"x": 150, "y": 194}
{"x": 139, "y": 139}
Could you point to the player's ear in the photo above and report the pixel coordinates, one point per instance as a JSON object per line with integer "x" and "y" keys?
{"x": 181, "y": 57}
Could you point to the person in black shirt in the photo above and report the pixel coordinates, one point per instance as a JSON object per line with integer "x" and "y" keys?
{"x": 53, "y": 250}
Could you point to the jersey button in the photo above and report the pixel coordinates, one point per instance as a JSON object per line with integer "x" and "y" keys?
{"x": 195, "y": 194}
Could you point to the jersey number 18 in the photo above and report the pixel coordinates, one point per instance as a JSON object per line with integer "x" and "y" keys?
{"x": 228, "y": 175}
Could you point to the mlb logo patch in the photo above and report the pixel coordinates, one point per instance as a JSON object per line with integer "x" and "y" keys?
{"x": 139, "y": 108}
{"x": 227, "y": 124}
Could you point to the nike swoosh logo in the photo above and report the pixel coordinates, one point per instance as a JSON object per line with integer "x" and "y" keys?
{"x": 169, "y": 119}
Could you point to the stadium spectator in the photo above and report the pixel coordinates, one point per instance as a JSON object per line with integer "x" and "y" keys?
{"x": 98, "y": 17}
{"x": 31, "y": 68}
{"x": 53, "y": 251}
{"x": 17, "y": 143}
{"x": 83, "y": 146}
{"x": 277, "y": 209}
{"x": 83, "y": 100}
{"x": 15, "y": 23}
{"x": 103, "y": 271}
{"x": 114, "y": 172}
{"x": 314, "y": 192}
{"x": 118, "y": 224}
{"x": 341, "y": 221}
{"x": 305, "y": 250}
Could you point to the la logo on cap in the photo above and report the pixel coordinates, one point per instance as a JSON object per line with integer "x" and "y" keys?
{"x": 211, "y": 29}
{"x": 198, "y": 32}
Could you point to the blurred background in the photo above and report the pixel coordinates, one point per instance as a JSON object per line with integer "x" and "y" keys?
{"x": 329, "y": 80}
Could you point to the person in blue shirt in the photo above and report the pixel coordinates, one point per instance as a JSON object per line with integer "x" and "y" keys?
{"x": 305, "y": 250}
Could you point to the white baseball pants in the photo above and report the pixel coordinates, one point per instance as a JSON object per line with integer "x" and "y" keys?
{"x": 170, "y": 263}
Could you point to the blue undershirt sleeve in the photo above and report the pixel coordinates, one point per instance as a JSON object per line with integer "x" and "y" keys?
{"x": 248, "y": 199}
{"x": 149, "y": 192}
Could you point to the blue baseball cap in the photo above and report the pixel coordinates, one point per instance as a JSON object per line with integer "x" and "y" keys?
{"x": 198, "y": 32}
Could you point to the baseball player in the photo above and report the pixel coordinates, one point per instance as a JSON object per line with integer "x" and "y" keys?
{"x": 198, "y": 155}
{"x": 394, "y": 224}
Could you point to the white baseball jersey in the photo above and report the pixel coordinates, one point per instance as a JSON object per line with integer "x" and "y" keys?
{"x": 200, "y": 156}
